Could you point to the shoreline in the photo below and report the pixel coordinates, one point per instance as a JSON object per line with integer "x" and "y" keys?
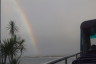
{"x": 44, "y": 57}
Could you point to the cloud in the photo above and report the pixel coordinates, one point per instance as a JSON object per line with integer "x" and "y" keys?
{"x": 56, "y": 24}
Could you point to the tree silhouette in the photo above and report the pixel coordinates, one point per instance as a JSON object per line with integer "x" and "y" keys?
{"x": 13, "y": 47}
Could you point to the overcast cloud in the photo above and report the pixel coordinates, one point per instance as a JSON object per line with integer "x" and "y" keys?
{"x": 55, "y": 23}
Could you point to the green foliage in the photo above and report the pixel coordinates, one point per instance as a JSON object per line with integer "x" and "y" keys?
{"x": 12, "y": 28}
{"x": 12, "y": 48}
{"x": 15, "y": 61}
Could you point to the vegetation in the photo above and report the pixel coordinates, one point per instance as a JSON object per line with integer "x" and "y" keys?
{"x": 11, "y": 49}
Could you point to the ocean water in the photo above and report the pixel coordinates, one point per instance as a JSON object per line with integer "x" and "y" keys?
{"x": 43, "y": 60}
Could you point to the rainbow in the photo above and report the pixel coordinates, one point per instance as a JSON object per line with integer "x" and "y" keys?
{"x": 27, "y": 24}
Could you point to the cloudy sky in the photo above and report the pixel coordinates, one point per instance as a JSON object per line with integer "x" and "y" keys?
{"x": 55, "y": 24}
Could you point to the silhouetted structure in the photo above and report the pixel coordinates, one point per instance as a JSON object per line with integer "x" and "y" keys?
{"x": 88, "y": 52}
{"x": 88, "y": 28}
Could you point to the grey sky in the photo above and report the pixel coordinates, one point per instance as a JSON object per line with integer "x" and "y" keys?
{"x": 55, "y": 23}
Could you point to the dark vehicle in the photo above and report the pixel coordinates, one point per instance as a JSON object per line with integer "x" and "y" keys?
{"x": 87, "y": 49}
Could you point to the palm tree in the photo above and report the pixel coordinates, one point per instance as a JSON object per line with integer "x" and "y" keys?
{"x": 12, "y": 46}
{"x": 18, "y": 43}
{"x": 12, "y": 28}
{"x": 5, "y": 48}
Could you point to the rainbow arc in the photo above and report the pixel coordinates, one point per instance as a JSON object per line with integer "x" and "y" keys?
{"x": 27, "y": 24}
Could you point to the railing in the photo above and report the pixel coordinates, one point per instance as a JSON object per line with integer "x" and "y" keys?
{"x": 63, "y": 58}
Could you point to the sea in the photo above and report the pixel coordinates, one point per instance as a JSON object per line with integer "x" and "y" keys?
{"x": 43, "y": 60}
